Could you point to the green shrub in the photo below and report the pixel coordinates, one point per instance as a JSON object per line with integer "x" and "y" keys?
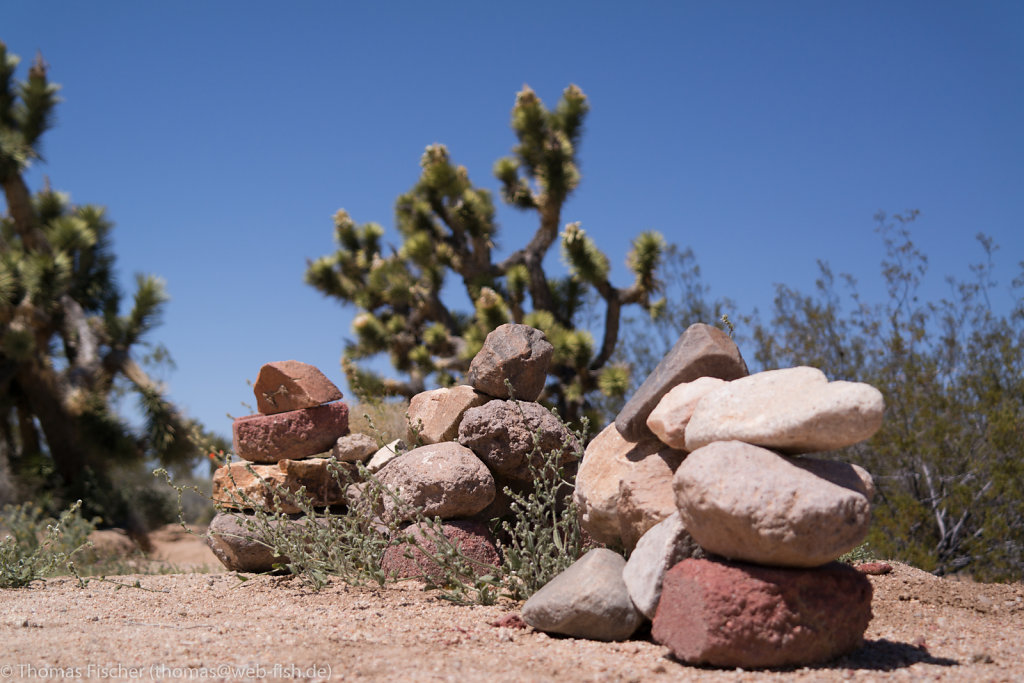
{"x": 35, "y": 547}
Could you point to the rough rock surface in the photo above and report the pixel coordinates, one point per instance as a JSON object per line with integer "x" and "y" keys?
{"x": 290, "y": 436}
{"x": 386, "y": 454}
{"x": 436, "y": 414}
{"x": 646, "y": 495}
{"x": 445, "y": 480}
{"x": 702, "y": 351}
{"x": 501, "y": 433}
{"x": 517, "y": 353}
{"x": 606, "y": 461}
{"x": 236, "y": 546}
{"x": 669, "y": 418}
{"x": 292, "y": 385}
{"x": 354, "y": 448}
{"x": 587, "y": 600}
{"x": 235, "y": 487}
{"x": 740, "y": 615}
{"x": 663, "y": 547}
{"x": 794, "y": 410}
{"x": 748, "y": 503}
{"x": 473, "y": 539}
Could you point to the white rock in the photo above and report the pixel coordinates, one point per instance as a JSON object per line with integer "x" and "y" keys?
{"x": 669, "y": 418}
{"x": 386, "y": 454}
{"x": 795, "y": 410}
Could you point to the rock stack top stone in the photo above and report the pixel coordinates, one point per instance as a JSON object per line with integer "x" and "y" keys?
{"x": 702, "y": 351}
{"x": 794, "y": 410}
{"x": 517, "y": 353}
{"x": 291, "y": 385}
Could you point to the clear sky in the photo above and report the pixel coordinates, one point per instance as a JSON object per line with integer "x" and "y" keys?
{"x": 222, "y": 136}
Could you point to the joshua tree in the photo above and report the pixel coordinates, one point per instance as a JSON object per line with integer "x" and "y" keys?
{"x": 65, "y": 351}
{"x": 448, "y": 225}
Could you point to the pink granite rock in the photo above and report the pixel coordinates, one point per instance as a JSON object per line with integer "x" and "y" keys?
{"x": 293, "y": 435}
{"x": 607, "y": 460}
{"x": 519, "y": 354}
{"x": 473, "y": 539}
{"x": 436, "y": 415}
{"x": 234, "y": 486}
{"x": 742, "y": 615}
{"x": 646, "y": 495}
{"x": 748, "y": 503}
{"x": 292, "y": 385}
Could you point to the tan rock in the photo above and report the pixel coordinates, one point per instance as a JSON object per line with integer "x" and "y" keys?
{"x": 386, "y": 454}
{"x": 748, "y": 503}
{"x": 436, "y": 414}
{"x": 794, "y": 410}
{"x": 646, "y": 496}
{"x": 669, "y": 418}
{"x": 354, "y": 448}
{"x": 290, "y": 385}
{"x": 606, "y": 461}
{"x": 244, "y": 486}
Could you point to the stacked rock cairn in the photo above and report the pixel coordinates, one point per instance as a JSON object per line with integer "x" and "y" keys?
{"x": 473, "y": 442}
{"x": 299, "y": 419}
{"x": 732, "y": 531}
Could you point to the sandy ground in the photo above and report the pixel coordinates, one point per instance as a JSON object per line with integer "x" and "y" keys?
{"x": 195, "y": 626}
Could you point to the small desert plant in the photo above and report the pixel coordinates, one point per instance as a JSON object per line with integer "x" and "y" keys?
{"x": 36, "y": 547}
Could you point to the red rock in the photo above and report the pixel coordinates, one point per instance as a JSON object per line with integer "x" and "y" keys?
{"x": 234, "y": 486}
{"x": 742, "y": 615}
{"x": 512, "y": 620}
{"x": 473, "y": 539}
{"x": 293, "y": 435}
{"x": 291, "y": 385}
{"x": 874, "y": 568}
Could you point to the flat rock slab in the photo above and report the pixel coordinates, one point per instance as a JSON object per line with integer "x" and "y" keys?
{"x": 443, "y": 480}
{"x": 292, "y": 385}
{"x": 748, "y": 503}
{"x": 664, "y": 546}
{"x": 238, "y": 547}
{"x": 435, "y": 415}
{"x": 702, "y": 351}
{"x": 608, "y": 460}
{"x": 502, "y": 434}
{"x": 587, "y": 600}
{"x": 386, "y": 454}
{"x": 235, "y": 486}
{"x": 293, "y": 435}
{"x": 740, "y": 615}
{"x": 519, "y": 354}
{"x": 473, "y": 539}
{"x": 669, "y": 418}
{"x": 794, "y": 410}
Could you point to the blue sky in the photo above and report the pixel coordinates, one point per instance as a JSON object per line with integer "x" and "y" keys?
{"x": 222, "y": 137}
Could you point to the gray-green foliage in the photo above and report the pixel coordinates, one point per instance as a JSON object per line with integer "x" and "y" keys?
{"x": 35, "y": 546}
{"x": 448, "y": 228}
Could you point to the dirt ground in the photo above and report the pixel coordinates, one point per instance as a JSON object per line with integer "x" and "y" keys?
{"x": 214, "y": 626}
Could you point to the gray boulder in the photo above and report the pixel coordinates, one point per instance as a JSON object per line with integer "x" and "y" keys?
{"x": 519, "y": 354}
{"x": 665, "y": 545}
{"x": 587, "y": 600}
